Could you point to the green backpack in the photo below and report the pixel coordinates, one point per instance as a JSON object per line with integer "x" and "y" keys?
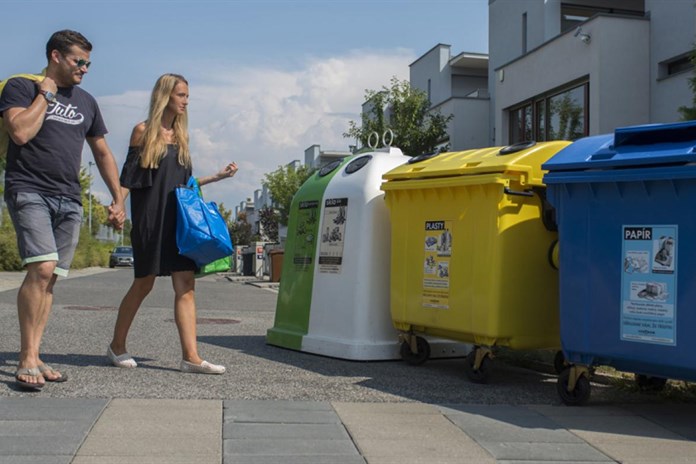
{"x": 4, "y": 136}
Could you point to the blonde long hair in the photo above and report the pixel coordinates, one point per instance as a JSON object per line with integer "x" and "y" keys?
{"x": 153, "y": 146}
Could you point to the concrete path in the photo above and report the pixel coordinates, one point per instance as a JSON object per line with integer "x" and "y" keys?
{"x": 159, "y": 431}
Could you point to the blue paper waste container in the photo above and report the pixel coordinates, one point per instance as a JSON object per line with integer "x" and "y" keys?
{"x": 627, "y": 235}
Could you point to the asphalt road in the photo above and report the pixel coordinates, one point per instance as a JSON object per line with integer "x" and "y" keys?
{"x": 233, "y": 321}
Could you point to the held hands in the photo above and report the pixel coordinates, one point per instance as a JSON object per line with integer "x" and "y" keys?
{"x": 227, "y": 171}
{"x": 117, "y": 215}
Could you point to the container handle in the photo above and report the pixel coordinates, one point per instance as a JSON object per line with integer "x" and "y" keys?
{"x": 423, "y": 157}
{"x": 523, "y": 193}
{"x": 510, "y": 149}
{"x": 651, "y": 134}
{"x": 387, "y": 135}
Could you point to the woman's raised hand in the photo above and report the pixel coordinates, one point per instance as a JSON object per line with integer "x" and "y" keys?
{"x": 228, "y": 171}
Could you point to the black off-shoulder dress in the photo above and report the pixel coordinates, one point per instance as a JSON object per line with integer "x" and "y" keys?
{"x": 153, "y": 213}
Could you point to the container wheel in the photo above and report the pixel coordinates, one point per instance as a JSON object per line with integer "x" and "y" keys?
{"x": 422, "y": 355}
{"x": 648, "y": 383}
{"x": 481, "y": 374}
{"x": 579, "y": 395}
{"x": 559, "y": 362}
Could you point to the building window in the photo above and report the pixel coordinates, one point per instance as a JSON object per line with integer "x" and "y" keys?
{"x": 566, "y": 114}
{"x": 524, "y": 33}
{"x": 540, "y": 120}
{"x": 557, "y": 115}
{"x": 573, "y": 15}
{"x": 675, "y": 65}
{"x": 521, "y": 124}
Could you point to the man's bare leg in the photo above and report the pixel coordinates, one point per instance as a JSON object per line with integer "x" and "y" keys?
{"x": 33, "y": 309}
{"x": 50, "y": 375}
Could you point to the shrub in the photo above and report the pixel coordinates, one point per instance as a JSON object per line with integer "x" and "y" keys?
{"x": 91, "y": 252}
{"x": 9, "y": 254}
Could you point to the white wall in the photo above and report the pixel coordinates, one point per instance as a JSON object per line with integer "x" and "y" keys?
{"x": 616, "y": 60}
{"x": 433, "y": 65}
{"x": 505, "y": 40}
{"x": 672, "y": 32}
{"x": 469, "y": 128}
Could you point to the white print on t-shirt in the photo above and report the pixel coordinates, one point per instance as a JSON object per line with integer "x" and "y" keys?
{"x": 66, "y": 114}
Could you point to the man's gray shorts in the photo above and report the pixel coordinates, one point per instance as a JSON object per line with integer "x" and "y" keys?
{"x": 47, "y": 226}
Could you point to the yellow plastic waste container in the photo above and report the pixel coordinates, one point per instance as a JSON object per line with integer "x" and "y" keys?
{"x": 472, "y": 242}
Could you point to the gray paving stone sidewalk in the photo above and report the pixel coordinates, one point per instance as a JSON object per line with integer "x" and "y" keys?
{"x": 45, "y": 430}
{"x": 159, "y": 431}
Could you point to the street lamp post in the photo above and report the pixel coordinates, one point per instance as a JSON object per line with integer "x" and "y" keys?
{"x": 89, "y": 173}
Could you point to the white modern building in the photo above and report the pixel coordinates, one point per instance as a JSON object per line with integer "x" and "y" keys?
{"x": 458, "y": 86}
{"x": 315, "y": 157}
{"x": 564, "y": 69}
{"x": 571, "y": 68}
{"x": 246, "y": 207}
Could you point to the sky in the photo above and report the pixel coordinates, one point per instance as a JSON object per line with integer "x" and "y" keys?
{"x": 267, "y": 78}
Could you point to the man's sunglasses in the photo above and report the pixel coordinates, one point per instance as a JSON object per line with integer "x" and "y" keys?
{"x": 80, "y": 63}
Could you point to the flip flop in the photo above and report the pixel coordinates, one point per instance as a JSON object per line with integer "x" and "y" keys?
{"x": 43, "y": 368}
{"x": 34, "y": 372}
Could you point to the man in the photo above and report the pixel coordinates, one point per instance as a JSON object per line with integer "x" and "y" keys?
{"x": 48, "y": 123}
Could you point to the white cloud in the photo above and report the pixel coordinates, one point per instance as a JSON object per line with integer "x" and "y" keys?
{"x": 263, "y": 117}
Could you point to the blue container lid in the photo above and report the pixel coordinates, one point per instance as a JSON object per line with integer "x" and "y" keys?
{"x": 640, "y": 146}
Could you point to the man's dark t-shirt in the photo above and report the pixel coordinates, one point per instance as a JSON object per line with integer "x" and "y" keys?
{"x": 50, "y": 162}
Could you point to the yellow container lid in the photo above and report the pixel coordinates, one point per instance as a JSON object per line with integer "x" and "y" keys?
{"x": 524, "y": 159}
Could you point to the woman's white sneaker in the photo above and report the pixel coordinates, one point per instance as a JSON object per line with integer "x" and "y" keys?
{"x": 203, "y": 368}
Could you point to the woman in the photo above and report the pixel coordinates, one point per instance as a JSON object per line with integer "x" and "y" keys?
{"x": 158, "y": 161}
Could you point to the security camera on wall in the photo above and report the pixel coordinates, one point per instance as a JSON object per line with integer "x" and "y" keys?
{"x": 584, "y": 37}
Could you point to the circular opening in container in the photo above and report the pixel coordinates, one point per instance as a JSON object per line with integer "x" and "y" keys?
{"x": 329, "y": 168}
{"x": 514, "y": 148}
{"x": 357, "y": 164}
{"x": 419, "y": 158}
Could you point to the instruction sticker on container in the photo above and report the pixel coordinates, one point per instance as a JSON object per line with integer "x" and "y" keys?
{"x": 649, "y": 284}
{"x": 438, "y": 251}
{"x": 306, "y": 231}
{"x": 333, "y": 234}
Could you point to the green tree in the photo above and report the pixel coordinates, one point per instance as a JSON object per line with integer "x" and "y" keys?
{"x": 689, "y": 112}
{"x": 99, "y": 214}
{"x": 90, "y": 251}
{"x": 225, "y": 213}
{"x": 269, "y": 218}
{"x": 417, "y": 130}
{"x": 238, "y": 237}
{"x": 241, "y": 231}
{"x": 9, "y": 254}
{"x": 282, "y": 184}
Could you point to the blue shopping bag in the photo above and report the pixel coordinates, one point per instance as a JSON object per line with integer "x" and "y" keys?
{"x": 201, "y": 232}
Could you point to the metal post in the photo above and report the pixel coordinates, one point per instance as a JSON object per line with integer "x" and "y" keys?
{"x": 89, "y": 222}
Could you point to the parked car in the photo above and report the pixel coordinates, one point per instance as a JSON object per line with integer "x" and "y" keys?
{"x": 121, "y": 256}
